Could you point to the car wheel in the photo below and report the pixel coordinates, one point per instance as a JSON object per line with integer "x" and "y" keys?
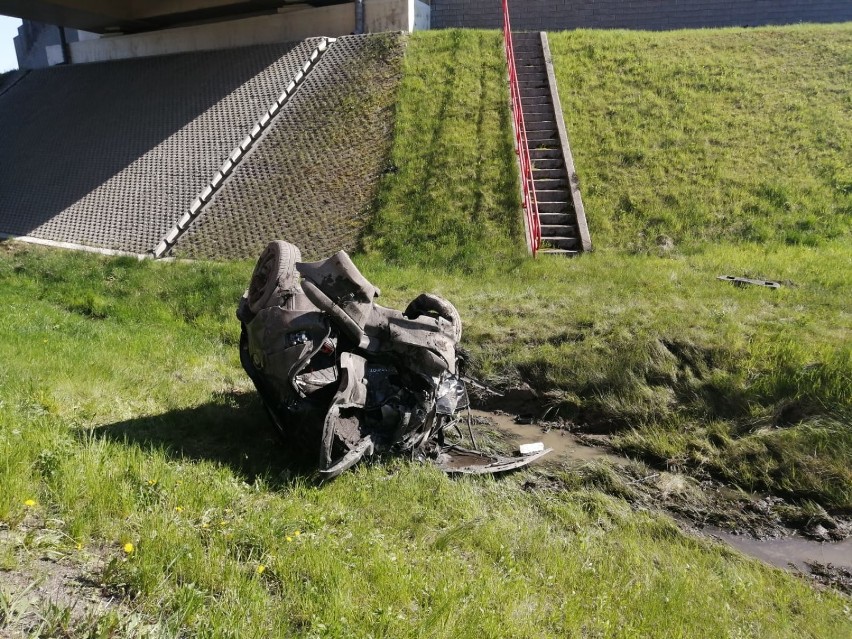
{"x": 275, "y": 270}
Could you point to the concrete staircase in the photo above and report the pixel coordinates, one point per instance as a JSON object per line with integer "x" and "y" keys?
{"x": 562, "y": 217}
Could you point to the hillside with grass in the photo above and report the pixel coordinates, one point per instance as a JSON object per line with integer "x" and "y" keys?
{"x": 137, "y": 458}
{"x": 639, "y": 338}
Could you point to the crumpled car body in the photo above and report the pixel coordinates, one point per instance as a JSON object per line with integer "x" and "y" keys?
{"x": 346, "y": 378}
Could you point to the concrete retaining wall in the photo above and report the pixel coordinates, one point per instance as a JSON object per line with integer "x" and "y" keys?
{"x": 554, "y": 15}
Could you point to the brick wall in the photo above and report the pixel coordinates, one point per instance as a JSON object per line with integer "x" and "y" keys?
{"x": 554, "y": 15}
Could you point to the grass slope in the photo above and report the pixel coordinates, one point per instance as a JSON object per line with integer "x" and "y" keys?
{"x": 752, "y": 385}
{"x": 451, "y": 200}
{"x": 126, "y": 420}
{"x": 732, "y": 136}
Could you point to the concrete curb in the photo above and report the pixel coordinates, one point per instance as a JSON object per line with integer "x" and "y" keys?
{"x": 73, "y": 247}
{"x": 247, "y": 143}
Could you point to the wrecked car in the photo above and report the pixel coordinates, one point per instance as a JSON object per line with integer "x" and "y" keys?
{"x": 344, "y": 378}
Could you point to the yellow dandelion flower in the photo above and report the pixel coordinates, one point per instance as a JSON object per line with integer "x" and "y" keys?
{"x": 79, "y": 546}
{"x": 179, "y": 509}
{"x": 297, "y": 533}
{"x": 259, "y": 570}
{"x": 29, "y": 503}
{"x": 128, "y": 548}
{"x": 289, "y": 539}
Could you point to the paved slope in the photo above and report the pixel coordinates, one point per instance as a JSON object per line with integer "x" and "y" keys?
{"x": 311, "y": 179}
{"x": 110, "y": 154}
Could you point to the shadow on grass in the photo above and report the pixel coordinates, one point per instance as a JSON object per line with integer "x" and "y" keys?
{"x": 233, "y": 430}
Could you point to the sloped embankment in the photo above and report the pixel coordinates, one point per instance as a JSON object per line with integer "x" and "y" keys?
{"x": 683, "y": 143}
{"x": 110, "y": 154}
{"x": 312, "y": 178}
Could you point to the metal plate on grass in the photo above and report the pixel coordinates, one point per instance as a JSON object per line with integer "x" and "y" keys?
{"x": 455, "y": 459}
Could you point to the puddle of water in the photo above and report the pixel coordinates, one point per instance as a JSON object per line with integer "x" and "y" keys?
{"x": 792, "y": 550}
{"x": 565, "y": 446}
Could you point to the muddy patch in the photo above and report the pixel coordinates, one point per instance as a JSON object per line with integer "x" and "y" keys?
{"x": 804, "y": 539}
{"x": 515, "y": 430}
{"x": 829, "y": 563}
{"x": 51, "y": 591}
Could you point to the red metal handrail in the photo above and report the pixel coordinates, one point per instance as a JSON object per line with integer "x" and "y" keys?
{"x": 530, "y": 203}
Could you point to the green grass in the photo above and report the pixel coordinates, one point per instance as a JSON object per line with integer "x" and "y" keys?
{"x": 126, "y": 418}
{"x": 639, "y": 338}
{"x": 452, "y": 200}
{"x": 125, "y": 415}
{"x": 731, "y": 136}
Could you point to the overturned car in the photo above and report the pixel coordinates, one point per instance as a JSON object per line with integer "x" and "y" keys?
{"x": 346, "y": 378}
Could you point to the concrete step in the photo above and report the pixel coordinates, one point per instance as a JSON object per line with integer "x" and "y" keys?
{"x": 551, "y": 184}
{"x": 543, "y": 145}
{"x": 534, "y": 92}
{"x": 532, "y": 83}
{"x": 542, "y": 108}
{"x": 539, "y": 112}
{"x": 529, "y": 65}
{"x": 526, "y": 85}
{"x": 549, "y": 174}
{"x": 536, "y": 107}
{"x": 542, "y": 155}
{"x": 561, "y": 252}
{"x": 527, "y": 46}
{"x": 552, "y": 195}
{"x": 564, "y": 243}
{"x": 556, "y": 219}
{"x": 531, "y": 73}
{"x": 542, "y": 135}
{"x": 543, "y": 142}
{"x": 554, "y": 207}
{"x": 540, "y": 119}
{"x": 556, "y": 163}
{"x": 557, "y": 230}
{"x": 536, "y": 124}
{"x": 537, "y": 103}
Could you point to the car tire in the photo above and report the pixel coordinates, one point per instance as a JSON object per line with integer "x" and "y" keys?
{"x": 275, "y": 271}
